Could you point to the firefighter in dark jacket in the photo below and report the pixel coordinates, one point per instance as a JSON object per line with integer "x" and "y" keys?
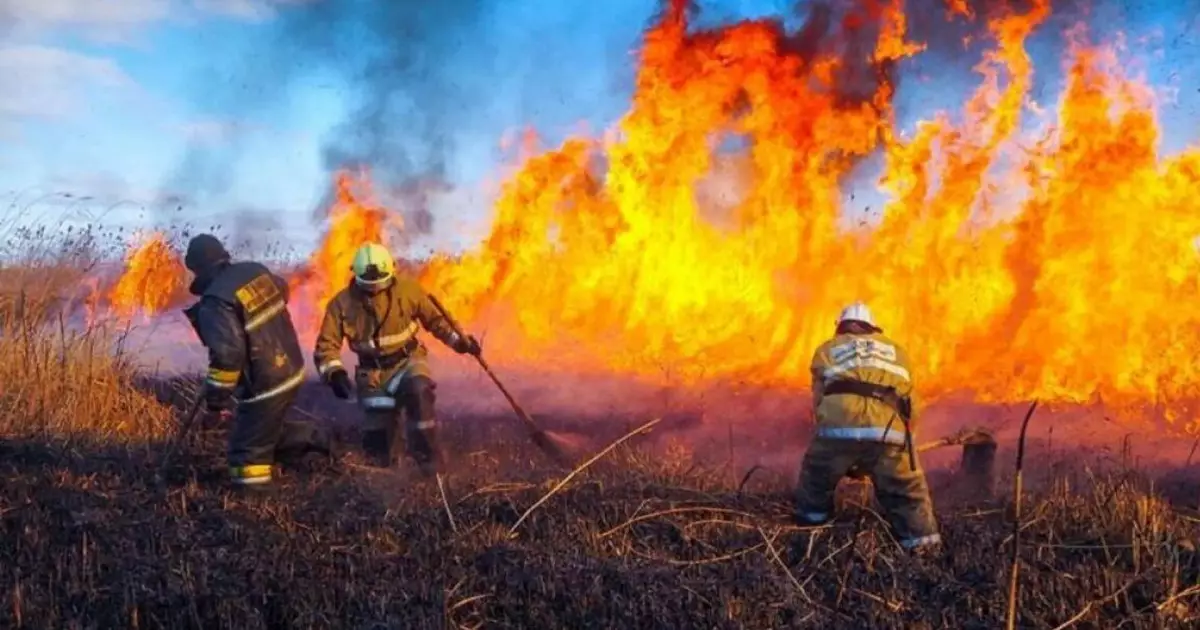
{"x": 379, "y": 314}
{"x": 255, "y": 363}
{"x": 863, "y": 402}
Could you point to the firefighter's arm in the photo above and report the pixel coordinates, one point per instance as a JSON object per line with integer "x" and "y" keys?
{"x": 910, "y": 392}
{"x": 327, "y": 355}
{"x": 221, "y": 331}
{"x": 818, "y": 387}
{"x": 817, "y": 371}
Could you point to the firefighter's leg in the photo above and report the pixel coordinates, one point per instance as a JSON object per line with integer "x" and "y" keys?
{"x": 416, "y": 393}
{"x": 904, "y": 495}
{"x": 256, "y": 430}
{"x": 824, "y": 465}
{"x": 379, "y": 435}
{"x": 379, "y": 417}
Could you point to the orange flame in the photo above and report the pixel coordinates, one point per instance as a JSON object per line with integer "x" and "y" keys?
{"x": 354, "y": 219}
{"x": 153, "y": 274}
{"x": 1059, "y": 267}
{"x": 1058, "y": 264}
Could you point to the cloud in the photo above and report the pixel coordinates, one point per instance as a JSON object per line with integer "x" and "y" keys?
{"x": 104, "y": 21}
{"x": 209, "y": 132}
{"x": 43, "y": 82}
{"x": 120, "y": 21}
{"x": 248, "y": 10}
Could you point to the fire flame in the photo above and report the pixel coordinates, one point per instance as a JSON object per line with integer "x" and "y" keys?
{"x": 153, "y": 274}
{"x": 1085, "y": 285}
{"x": 1058, "y": 264}
{"x": 354, "y": 219}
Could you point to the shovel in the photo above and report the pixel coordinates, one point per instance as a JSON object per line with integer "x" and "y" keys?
{"x": 978, "y": 458}
{"x": 551, "y": 445}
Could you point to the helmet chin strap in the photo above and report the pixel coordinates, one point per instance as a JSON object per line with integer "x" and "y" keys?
{"x": 373, "y": 288}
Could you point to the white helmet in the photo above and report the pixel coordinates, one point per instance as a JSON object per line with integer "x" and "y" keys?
{"x": 857, "y": 312}
{"x": 373, "y": 266}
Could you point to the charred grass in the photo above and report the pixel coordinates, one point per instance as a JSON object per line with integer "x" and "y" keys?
{"x": 646, "y": 538}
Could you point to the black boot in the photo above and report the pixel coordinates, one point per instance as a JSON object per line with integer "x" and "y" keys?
{"x": 377, "y": 448}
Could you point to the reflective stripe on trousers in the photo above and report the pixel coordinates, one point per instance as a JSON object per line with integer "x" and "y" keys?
{"x": 815, "y": 518}
{"x": 329, "y": 366}
{"x": 887, "y": 435}
{"x": 383, "y": 403}
{"x": 251, "y": 474}
{"x": 912, "y": 543}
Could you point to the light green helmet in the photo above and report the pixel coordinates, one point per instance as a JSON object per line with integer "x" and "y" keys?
{"x": 373, "y": 266}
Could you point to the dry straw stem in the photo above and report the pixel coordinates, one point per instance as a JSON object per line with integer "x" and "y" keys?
{"x": 1015, "y": 566}
{"x": 678, "y": 510}
{"x": 1092, "y": 604}
{"x": 578, "y": 469}
{"x": 770, "y": 543}
{"x": 446, "y": 504}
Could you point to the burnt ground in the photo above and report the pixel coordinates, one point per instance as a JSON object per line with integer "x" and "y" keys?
{"x": 649, "y": 537}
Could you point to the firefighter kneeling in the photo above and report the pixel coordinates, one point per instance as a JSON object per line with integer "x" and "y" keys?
{"x": 379, "y": 314}
{"x": 253, "y": 355}
{"x": 862, "y": 396}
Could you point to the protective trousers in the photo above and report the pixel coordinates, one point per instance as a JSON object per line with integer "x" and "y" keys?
{"x": 901, "y": 491}
{"x": 384, "y": 395}
{"x": 261, "y": 436}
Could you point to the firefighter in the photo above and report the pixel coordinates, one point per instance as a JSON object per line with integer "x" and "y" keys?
{"x": 863, "y": 401}
{"x": 255, "y": 362}
{"x": 379, "y": 314}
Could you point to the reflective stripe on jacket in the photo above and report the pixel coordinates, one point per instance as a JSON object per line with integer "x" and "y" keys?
{"x": 380, "y": 325}
{"x": 243, "y": 321}
{"x": 871, "y": 358}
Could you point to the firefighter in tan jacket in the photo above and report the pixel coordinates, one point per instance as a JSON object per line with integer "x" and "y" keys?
{"x": 863, "y": 401}
{"x": 379, "y": 314}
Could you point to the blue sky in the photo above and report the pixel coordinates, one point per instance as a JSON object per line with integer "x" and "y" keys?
{"x": 105, "y": 98}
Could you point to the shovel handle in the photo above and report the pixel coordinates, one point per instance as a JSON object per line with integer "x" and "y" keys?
{"x": 183, "y": 432}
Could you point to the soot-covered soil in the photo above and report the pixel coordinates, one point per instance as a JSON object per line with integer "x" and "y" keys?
{"x": 646, "y": 538}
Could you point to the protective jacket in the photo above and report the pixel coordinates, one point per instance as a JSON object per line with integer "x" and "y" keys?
{"x": 242, "y": 318}
{"x": 863, "y": 397}
{"x": 381, "y": 329}
{"x": 862, "y": 389}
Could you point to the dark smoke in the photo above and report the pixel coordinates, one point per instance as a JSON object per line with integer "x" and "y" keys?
{"x": 404, "y": 60}
{"x": 422, "y": 72}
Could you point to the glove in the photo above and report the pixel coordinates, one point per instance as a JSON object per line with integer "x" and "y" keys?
{"x": 339, "y": 382}
{"x": 218, "y": 399}
{"x": 467, "y": 345}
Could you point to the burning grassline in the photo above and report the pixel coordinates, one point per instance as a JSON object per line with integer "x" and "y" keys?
{"x": 1006, "y": 224}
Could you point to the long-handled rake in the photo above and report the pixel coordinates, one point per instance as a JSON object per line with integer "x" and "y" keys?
{"x": 553, "y": 445}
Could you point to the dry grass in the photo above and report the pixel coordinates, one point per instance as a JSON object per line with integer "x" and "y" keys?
{"x": 62, "y": 376}
{"x": 647, "y": 537}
